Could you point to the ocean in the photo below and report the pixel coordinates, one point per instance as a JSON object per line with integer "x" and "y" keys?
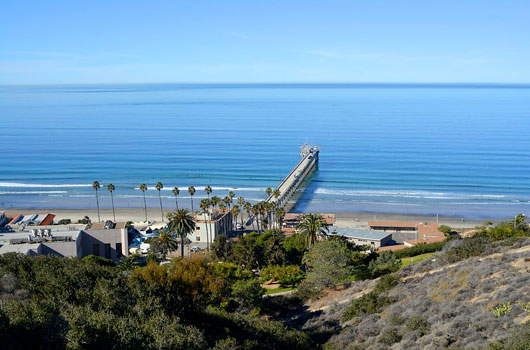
{"x": 458, "y": 150}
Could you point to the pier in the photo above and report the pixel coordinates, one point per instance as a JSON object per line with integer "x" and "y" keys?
{"x": 294, "y": 180}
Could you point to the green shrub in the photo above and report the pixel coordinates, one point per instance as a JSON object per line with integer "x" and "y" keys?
{"x": 285, "y": 275}
{"x": 418, "y": 323}
{"x": 369, "y": 303}
{"x": 502, "y": 309}
{"x": 247, "y": 293}
{"x": 389, "y": 337}
{"x": 386, "y": 282}
{"x": 419, "y": 249}
{"x": 469, "y": 247}
{"x": 396, "y": 319}
{"x": 64, "y": 222}
{"x": 101, "y": 261}
{"x": 385, "y": 263}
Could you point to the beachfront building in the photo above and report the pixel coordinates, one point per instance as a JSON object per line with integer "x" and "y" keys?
{"x": 212, "y": 224}
{"x": 66, "y": 241}
{"x": 408, "y": 234}
{"x": 374, "y": 239}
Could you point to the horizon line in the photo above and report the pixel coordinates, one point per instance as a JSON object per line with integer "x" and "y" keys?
{"x": 293, "y": 83}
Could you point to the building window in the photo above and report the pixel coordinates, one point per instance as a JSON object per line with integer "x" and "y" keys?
{"x": 107, "y": 250}
{"x": 198, "y": 238}
{"x": 118, "y": 250}
{"x": 95, "y": 249}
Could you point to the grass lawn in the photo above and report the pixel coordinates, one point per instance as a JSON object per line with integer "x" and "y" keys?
{"x": 415, "y": 259}
{"x": 279, "y": 290}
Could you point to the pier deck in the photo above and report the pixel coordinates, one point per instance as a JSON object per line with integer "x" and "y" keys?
{"x": 292, "y": 182}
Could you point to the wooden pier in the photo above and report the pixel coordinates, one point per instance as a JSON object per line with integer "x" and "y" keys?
{"x": 294, "y": 180}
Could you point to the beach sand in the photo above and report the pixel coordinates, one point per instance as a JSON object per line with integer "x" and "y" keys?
{"x": 352, "y": 220}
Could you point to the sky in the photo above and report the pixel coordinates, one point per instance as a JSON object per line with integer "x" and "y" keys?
{"x": 377, "y": 41}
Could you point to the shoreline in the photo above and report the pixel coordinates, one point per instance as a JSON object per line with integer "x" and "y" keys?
{"x": 343, "y": 219}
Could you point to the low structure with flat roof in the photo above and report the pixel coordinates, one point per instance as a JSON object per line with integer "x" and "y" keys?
{"x": 374, "y": 239}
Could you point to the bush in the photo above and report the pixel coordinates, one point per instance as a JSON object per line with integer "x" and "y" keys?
{"x": 418, "y": 323}
{"x": 247, "y": 293}
{"x": 385, "y": 263}
{"x": 64, "y": 222}
{"x": 285, "y": 275}
{"x": 419, "y": 249}
{"x": 386, "y": 282}
{"x": 469, "y": 247}
{"x": 101, "y": 261}
{"x": 389, "y": 337}
{"x": 502, "y": 309}
{"x": 446, "y": 230}
{"x": 369, "y": 303}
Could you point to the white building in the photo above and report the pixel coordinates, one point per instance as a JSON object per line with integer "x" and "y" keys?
{"x": 211, "y": 225}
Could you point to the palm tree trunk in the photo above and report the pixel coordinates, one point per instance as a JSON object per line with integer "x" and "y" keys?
{"x": 176, "y": 203}
{"x": 192, "y": 211}
{"x": 182, "y": 246}
{"x": 145, "y": 208}
{"x": 161, "y": 210}
{"x": 113, "y": 211}
{"x": 97, "y": 203}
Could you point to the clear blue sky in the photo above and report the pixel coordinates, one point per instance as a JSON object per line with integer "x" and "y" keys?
{"x": 115, "y": 41}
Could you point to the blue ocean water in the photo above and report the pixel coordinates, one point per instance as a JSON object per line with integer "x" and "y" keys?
{"x": 451, "y": 150}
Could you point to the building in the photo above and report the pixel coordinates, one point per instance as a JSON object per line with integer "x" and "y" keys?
{"x": 291, "y": 221}
{"x": 212, "y": 225}
{"x": 374, "y": 239}
{"x": 422, "y": 229}
{"x": 67, "y": 241}
{"x": 23, "y": 220}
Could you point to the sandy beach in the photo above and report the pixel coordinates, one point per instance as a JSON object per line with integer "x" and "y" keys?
{"x": 353, "y": 220}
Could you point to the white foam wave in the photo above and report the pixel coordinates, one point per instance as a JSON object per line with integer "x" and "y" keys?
{"x": 32, "y": 192}
{"x": 408, "y": 194}
{"x": 214, "y": 188}
{"x": 28, "y": 185}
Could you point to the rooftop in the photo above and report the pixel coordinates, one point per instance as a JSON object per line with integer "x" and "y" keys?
{"x": 361, "y": 234}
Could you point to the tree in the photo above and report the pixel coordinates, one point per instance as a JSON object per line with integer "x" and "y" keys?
{"x": 279, "y": 213}
{"x": 222, "y": 247}
{"x": 176, "y": 193}
{"x": 385, "y": 263}
{"x": 128, "y": 263}
{"x": 228, "y": 202}
{"x": 235, "y": 212}
{"x": 111, "y": 189}
{"x": 328, "y": 262}
{"x": 446, "y": 230}
{"x": 191, "y": 191}
{"x": 163, "y": 242}
{"x": 182, "y": 223}
{"x": 143, "y": 188}
{"x": 248, "y": 208}
{"x": 208, "y": 190}
{"x": 313, "y": 227}
{"x": 204, "y": 205}
{"x": 158, "y": 187}
{"x": 268, "y": 191}
{"x": 96, "y": 186}
{"x": 231, "y": 195}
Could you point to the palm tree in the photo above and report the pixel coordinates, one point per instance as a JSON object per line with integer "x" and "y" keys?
{"x": 241, "y": 202}
{"x": 205, "y": 205}
{"x": 248, "y": 208}
{"x": 232, "y": 195}
{"x": 191, "y": 191}
{"x": 208, "y": 190}
{"x": 128, "y": 263}
{"x": 255, "y": 213}
{"x": 111, "y": 188}
{"x": 181, "y": 222}
{"x": 313, "y": 227}
{"x": 268, "y": 191}
{"x": 222, "y": 208}
{"x": 158, "y": 187}
{"x": 96, "y": 186}
{"x": 280, "y": 214}
{"x": 176, "y": 193}
{"x": 143, "y": 188}
{"x": 164, "y": 242}
{"x": 235, "y": 212}
{"x": 228, "y": 202}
